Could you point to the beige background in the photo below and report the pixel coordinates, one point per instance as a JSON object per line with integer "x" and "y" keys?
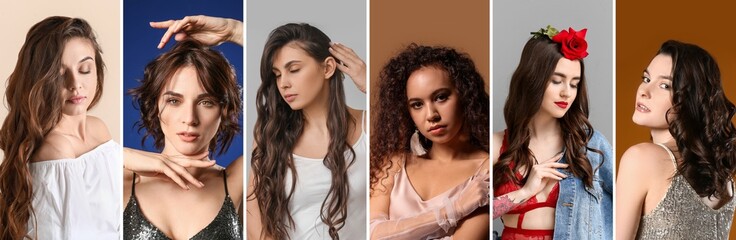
{"x": 17, "y": 17}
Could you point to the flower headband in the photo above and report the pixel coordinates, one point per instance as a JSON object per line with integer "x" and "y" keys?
{"x": 572, "y": 44}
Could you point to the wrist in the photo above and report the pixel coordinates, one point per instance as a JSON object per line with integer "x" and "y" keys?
{"x": 236, "y": 31}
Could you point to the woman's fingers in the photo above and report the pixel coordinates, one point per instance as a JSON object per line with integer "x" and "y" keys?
{"x": 174, "y": 177}
{"x": 183, "y": 173}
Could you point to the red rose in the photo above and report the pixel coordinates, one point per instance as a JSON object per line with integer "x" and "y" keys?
{"x": 573, "y": 43}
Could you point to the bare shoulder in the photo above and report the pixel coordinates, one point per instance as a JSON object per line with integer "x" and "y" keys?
{"x": 357, "y": 115}
{"x": 55, "y": 146}
{"x": 98, "y": 128}
{"x": 386, "y": 176}
{"x": 643, "y": 159}
{"x": 497, "y": 142}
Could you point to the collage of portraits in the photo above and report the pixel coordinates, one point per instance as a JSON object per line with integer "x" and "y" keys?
{"x": 367, "y": 119}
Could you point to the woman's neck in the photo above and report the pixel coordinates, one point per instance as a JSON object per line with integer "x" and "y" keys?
{"x": 459, "y": 148}
{"x": 545, "y": 127}
{"x": 74, "y": 126}
{"x": 316, "y": 113}
{"x": 661, "y": 135}
{"x": 173, "y": 154}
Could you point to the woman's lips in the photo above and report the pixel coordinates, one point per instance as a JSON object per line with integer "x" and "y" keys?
{"x": 76, "y": 99}
{"x": 188, "y": 136}
{"x": 562, "y": 105}
{"x": 290, "y": 97}
{"x": 437, "y": 130}
{"x": 640, "y": 107}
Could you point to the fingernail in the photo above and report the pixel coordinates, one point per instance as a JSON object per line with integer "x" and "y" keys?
{"x": 201, "y": 184}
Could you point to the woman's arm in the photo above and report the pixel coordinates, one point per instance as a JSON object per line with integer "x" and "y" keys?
{"x": 159, "y": 165}
{"x": 474, "y": 226}
{"x": 254, "y": 227}
{"x": 207, "y": 30}
{"x": 631, "y": 190}
{"x": 541, "y": 175}
{"x": 234, "y": 173}
{"x": 433, "y": 222}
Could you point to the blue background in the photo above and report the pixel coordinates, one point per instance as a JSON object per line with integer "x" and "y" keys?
{"x": 139, "y": 48}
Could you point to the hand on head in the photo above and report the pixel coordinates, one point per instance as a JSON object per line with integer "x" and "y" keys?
{"x": 205, "y": 29}
{"x": 350, "y": 63}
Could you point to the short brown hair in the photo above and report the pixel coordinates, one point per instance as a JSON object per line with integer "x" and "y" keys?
{"x": 215, "y": 74}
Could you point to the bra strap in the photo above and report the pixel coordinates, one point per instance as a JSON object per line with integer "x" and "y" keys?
{"x": 362, "y": 121}
{"x": 224, "y": 180}
{"x": 672, "y": 156}
{"x": 132, "y": 189}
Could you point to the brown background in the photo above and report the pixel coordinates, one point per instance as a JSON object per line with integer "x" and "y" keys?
{"x": 462, "y": 24}
{"x": 642, "y": 26}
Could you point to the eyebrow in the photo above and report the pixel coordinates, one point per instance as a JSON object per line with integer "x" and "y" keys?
{"x": 661, "y": 76}
{"x": 562, "y": 75}
{"x": 433, "y": 94}
{"x": 288, "y": 64}
{"x": 86, "y": 59}
{"x": 176, "y": 94}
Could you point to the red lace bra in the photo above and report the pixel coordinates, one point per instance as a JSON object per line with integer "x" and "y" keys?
{"x": 530, "y": 204}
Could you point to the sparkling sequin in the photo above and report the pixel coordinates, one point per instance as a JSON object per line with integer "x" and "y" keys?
{"x": 226, "y": 224}
{"x": 683, "y": 215}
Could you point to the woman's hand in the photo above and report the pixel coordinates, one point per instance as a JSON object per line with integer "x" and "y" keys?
{"x": 475, "y": 195}
{"x": 206, "y": 30}
{"x": 169, "y": 167}
{"x": 350, "y": 64}
{"x": 541, "y": 175}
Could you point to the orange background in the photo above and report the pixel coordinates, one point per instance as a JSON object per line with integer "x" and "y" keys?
{"x": 642, "y": 26}
{"x": 461, "y": 24}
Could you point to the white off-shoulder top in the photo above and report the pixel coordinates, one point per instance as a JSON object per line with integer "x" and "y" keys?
{"x": 78, "y": 198}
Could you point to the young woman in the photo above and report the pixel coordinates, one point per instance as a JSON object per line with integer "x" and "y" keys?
{"x": 680, "y": 185}
{"x": 550, "y": 148}
{"x": 435, "y": 98}
{"x": 190, "y": 103}
{"x": 307, "y": 176}
{"x": 61, "y": 169}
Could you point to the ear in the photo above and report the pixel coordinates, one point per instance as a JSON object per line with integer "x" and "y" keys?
{"x": 330, "y": 66}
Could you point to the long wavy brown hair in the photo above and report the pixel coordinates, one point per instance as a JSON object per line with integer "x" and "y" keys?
{"x": 528, "y": 83}
{"x": 392, "y": 107}
{"x": 34, "y": 102}
{"x": 701, "y": 123}
{"x": 215, "y": 74}
{"x": 278, "y": 128}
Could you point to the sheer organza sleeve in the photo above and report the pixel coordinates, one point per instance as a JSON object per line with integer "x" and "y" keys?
{"x": 437, "y": 222}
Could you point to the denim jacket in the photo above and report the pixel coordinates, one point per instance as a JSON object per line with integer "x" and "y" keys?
{"x": 583, "y": 212}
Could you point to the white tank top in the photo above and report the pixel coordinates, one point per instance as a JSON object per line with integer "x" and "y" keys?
{"x": 313, "y": 184}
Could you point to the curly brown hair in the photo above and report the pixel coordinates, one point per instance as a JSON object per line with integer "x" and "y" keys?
{"x": 701, "y": 126}
{"x": 392, "y": 107}
{"x": 215, "y": 74}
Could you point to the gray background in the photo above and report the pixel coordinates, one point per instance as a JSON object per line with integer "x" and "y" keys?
{"x": 342, "y": 21}
{"x": 513, "y": 20}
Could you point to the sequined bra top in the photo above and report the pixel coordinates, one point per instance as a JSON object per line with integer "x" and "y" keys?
{"x": 226, "y": 224}
{"x": 683, "y": 215}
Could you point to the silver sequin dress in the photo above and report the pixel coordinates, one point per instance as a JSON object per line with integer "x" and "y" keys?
{"x": 683, "y": 215}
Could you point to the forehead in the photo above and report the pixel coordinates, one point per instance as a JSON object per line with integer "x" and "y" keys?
{"x": 289, "y": 52}
{"x": 77, "y": 49}
{"x": 426, "y": 80}
{"x": 661, "y": 65}
{"x": 570, "y": 68}
{"x": 184, "y": 80}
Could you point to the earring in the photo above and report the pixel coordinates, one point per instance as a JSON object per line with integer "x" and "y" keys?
{"x": 415, "y": 145}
